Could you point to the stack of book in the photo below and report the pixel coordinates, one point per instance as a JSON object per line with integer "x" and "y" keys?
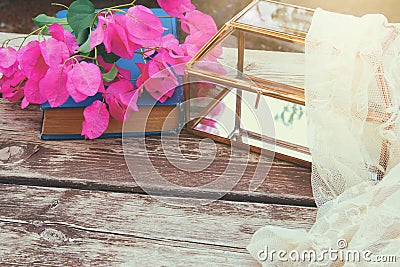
{"x": 65, "y": 121}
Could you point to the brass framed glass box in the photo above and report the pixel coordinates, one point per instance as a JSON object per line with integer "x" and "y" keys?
{"x": 253, "y": 65}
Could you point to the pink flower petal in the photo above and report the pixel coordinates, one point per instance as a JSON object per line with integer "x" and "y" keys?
{"x": 144, "y": 70}
{"x": 120, "y": 87}
{"x": 96, "y": 120}
{"x": 162, "y": 85}
{"x": 57, "y": 32}
{"x": 54, "y": 52}
{"x": 195, "y": 21}
{"x": 24, "y": 103}
{"x": 143, "y": 26}
{"x": 119, "y": 95}
{"x": 8, "y": 72}
{"x": 176, "y": 8}
{"x": 71, "y": 42}
{"x": 73, "y": 92}
{"x": 12, "y": 87}
{"x": 54, "y": 87}
{"x": 8, "y": 56}
{"x": 86, "y": 78}
{"x": 116, "y": 109}
{"x": 32, "y": 93}
{"x": 97, "y": 36}
{"x": 31, "y": 61}
{"x": 119, "y": 43}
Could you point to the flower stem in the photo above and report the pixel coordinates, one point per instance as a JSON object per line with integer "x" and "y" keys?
{"x": 24, "y": 37}
{"x": 61, "y": 5}
{"x": 113, "y": 8}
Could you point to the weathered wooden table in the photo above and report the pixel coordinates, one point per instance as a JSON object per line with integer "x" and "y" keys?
{"x": 75, "y": 203}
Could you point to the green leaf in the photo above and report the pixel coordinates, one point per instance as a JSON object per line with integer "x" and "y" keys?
{"x": 42, "y": 20}
{"x": 110, "y": 76}
{"x": 80, "y": 16}
{"x": 108, "y": 57}
{"x": 83, "y": 36}
{"x": 85, "y": 47}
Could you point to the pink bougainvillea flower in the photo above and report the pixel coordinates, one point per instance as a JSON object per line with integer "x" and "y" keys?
{"x": 84, "y": 79}
{"x": 144, "y": 76}
{"x": 173, "y": 54}
{"x": 196, "y": 40}
{"x": 8, "y": 61}
{"x": 12, "y": 87}
{"x": 130, "y": 99}
{"x": 96, "y": 119}
{"x": 161, "y": 88}
{"x": 116, "y": 109}
{"x": 58, "y": 33}
{"x": 144, "y": 28}
{"x": 176, "y": 63}
{"x": 157, "y": 78}
{"x": 54, "y": 86}
{"x": 122, "y": 74}
{"x": 97, "y": 36}
{"x": 111, "y": 30}
{"x": 195, "y": 21}
{"x": 116, "y": 38}
{"x": 74, "y": 93}
{"x": 32, "y": 93}
{"x": 34, "y": 68}
{"x": 119, "y": 96}
{"x": 176, "y": 8}
{"x": 54, "y": 52}
{"x": 162, "y": 82}
{"x": 200, "y": 27}
{"x": 8, "y": 58}
{"x": 31, "y": 61}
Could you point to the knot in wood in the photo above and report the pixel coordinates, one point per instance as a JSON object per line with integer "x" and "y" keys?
{"x": 53, "y": 236}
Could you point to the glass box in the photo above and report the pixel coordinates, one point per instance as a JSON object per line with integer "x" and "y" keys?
{"x": 248, "y": 82}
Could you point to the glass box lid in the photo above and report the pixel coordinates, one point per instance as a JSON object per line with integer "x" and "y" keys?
{"x": 265, "y": 43}
{"x": 277, "y": 17}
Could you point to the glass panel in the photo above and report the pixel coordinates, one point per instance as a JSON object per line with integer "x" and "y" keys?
{"x": 289, "y": 119}
{"x": 222, "y": 59}
{"x": 274, "y": 60}
{"x": 278, "y": 17}
{"x": 208, "y": 103}
{"x": 275, "y": 125}
{"x": 264, "y": 58}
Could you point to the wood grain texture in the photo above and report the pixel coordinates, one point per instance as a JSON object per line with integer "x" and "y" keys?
{"x": 100, "y": 164}
{"x": 58, "y": 227}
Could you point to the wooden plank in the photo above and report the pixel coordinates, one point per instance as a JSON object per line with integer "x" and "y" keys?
{"x": 57, "y": 227}
{"x": 50, "y": 247}
{"x": 100, "y": 164}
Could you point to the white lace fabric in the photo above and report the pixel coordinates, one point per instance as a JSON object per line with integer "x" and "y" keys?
{"x": 352, "y": 81}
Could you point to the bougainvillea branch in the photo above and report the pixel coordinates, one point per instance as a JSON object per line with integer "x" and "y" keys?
{"x": 78, "y": 58}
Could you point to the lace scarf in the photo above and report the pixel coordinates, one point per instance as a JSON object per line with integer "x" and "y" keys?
{"x": 352, "y": 81}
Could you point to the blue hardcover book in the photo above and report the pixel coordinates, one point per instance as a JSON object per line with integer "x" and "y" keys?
{"x": 65, "y": 121}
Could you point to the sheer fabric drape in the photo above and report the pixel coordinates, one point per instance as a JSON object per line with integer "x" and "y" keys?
{"x": 352, "y": 88}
